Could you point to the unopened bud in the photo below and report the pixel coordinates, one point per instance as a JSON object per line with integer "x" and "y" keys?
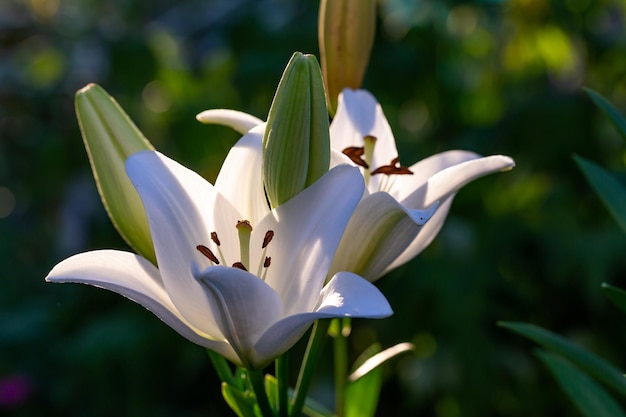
{"x": 296, "y": 144}
{"x": 346, "y": 31}
{"x": 110, "y": 137}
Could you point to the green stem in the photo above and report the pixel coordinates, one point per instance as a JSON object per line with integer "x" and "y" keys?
{"x": 312, "y": 354}
{"x": 282, "y": 374}
{"x": 258, "y": 385}
{"x": 221, "y": 367}
{"x": 340, "y": 349}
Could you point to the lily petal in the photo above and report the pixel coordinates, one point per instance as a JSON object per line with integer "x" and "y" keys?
{"x": 424, "y": 236}
{"x": 345, "y": 295}
{"x": 240, "y": 179}
{"x": 237, "y": 120}
{"x": 307, "y": 231}
{"x": 403, "y": 185}
{"x": 245, "y": 304}
{"x": 359, "y": 115}
{"x": 136, "y": 278}
{"x": 442, "y": 187}
{"x": 380, "y": 230}
{"x": 176, "y": 201}
{"x": 450, "y": 180}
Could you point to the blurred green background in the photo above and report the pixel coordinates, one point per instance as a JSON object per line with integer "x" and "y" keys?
{"x": 491, "y": 76}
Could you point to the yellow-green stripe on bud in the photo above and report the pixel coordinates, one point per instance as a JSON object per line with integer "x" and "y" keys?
{"x": 296, "y": 144}
{"x": 110, "y": 137}
{"x": 346, "y": 31}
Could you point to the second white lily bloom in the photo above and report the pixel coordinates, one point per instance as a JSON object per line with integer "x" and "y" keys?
{"x": 406, "y": 206}
{"x": 232, "y": 275}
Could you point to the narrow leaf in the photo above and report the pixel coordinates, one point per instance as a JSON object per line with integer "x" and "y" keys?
{"x": 618, "y": 120}
{"x": 590, "y": 398}
{"x": 271, "y": 387}
{"x": 362, "y": 393}
{"x": 378, "y": 359}
{"x": 610, "y": 190}
{"x": 587, "y": 361}
{"x": 616, "y": 295}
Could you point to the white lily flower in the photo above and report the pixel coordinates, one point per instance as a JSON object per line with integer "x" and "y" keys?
{"x": 232, "y": 275}
{"x": 403, "y": 208}
{"x": 406, "y": 206}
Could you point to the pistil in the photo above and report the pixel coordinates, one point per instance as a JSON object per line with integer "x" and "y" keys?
{"x": 244, "y": 228}
{"x": 368, "y": 151}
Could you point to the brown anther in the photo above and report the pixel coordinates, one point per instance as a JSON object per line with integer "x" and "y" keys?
{"x": 207, "y": 252}
{"x": 215, "y": 239}
{"x": 393, "y": 169}
{"x": 239, "y": 265}
{"x": 355, "y": 154}
{"x": 244, "y": 223}
{"x": 267, "y": 239}
{"x": 268, "y": 261}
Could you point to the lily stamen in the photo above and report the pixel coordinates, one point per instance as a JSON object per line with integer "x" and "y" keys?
{"x": 394, "y": 168}
{"x": 217, "y": 242}
{"x": 239, "y": 265}
{"x": 355, "y": 153}
{"x": 208, "y": 253}
{"x": 269, "y": 235}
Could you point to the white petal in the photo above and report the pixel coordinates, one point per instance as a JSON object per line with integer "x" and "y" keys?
{"x": 240, "y": 180}
{"x": 237, "y": 120}
{"x": 442, "y": 187}
{"x": 137, "y": 279}
{"x": 307, "y": 231}
{"x": 182, "y": 210}
{"x": 451, "y": 179}
{"x": 246, "y": 305}
{"x": 346, "y": 295}
{"x": 380, "y": 230}
{"x": 359, "y": 115}
{"x": 404, "y": 185}
{"x": 424, "y": 237}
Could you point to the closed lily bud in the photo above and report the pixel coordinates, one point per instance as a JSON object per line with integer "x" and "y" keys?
{"x": 346, "y": 31}
{"x": 296, "y": 144}
{"x": 110, "y": 137}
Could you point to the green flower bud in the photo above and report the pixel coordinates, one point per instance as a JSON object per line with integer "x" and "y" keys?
{"x": 296, "y": 144}
{"x": 110, "y": 137}
{"x": 346, "y": 31}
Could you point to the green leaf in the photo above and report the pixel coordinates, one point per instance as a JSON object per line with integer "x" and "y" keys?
{"x": 590, "y": 398}
{"x": 590, "y": 363}
{"x": 362, "y": 394}
{"x": 311, "y": 408}
{"x": 618, "y": 120}
{"x": 242, "y": 403}
{"x": 616, "y": 295}
{"x": 374, "y": 361}
{"x": 610, "y": 190}
{"x": 110, "y": 137}
{"x": 271, "y": 387}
